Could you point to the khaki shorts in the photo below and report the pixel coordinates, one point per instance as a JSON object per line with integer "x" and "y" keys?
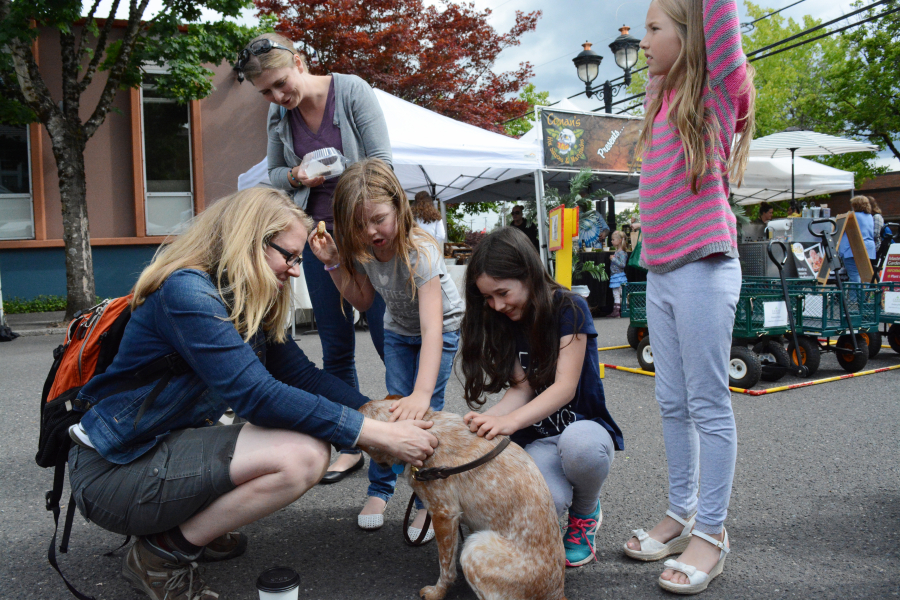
{"x": 179, "y": 477}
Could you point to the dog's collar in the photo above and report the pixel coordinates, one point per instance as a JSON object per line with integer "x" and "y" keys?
{"x": 434, "y": 473}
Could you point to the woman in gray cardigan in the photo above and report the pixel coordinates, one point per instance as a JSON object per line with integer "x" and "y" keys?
{"x": 309, "y": 112}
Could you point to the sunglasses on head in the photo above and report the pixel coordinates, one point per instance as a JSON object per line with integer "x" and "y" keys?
{"x": 263, "y": 46}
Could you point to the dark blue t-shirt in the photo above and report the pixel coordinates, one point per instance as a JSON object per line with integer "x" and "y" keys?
{"x": 589, "y": 401}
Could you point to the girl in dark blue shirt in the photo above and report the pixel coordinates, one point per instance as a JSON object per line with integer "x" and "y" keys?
{"x": 524, "y": 333}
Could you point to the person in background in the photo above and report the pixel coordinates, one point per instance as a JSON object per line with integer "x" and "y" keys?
{"x": 522, "y": 225}
{"x": 429, "y": 218}
{"x": 878, "y": 221}
{"x": 860, "y": 206}
{"x": 311, "y": 112}
{"x": 766, "y": 212}
{"x": 617, "y": 269}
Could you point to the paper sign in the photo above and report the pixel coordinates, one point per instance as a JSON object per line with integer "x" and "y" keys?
{"x": 556, "y": 217}
{"x": 892, "y": 303}
{"x": 891, "y": 271}
{"x": 775, "y": 314}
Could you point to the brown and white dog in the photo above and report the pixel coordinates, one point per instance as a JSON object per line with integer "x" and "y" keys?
{"x": 515, "y": 550}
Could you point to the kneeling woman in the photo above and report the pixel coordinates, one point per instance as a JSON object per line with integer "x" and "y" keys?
{"x": 217, "y": 297}
{"x": 524, "y": 332}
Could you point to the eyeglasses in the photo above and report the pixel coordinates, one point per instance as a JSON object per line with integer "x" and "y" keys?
{"x": 290, "y": 258}
{"x": 263, "y": 46}
{"x": 516, "y": 212}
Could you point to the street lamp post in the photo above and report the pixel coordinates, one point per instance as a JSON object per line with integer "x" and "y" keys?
{"x": 624, "y": 49}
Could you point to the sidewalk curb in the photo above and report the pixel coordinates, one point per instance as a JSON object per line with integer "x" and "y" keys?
{"x": 42, "y": 331}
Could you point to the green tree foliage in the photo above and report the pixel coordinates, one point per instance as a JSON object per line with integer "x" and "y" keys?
{"x": 800, "y": 88}
{"x": 523, "y": 125}
{"x": 844, "y": 84}
{"x": 174, "y": 37}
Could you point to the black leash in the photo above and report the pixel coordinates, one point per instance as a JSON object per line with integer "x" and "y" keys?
{"x": 435, "y": 473}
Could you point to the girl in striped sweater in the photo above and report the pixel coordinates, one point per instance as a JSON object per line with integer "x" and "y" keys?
{"x": 699, "y": 95}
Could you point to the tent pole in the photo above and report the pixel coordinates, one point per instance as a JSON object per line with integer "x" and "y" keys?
{"x": 444, "y": 219}
{"x": 541, "y": 217}
{"x": 793, "y": 201}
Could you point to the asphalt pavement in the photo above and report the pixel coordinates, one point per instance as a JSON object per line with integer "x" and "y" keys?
{"x": 815, "y": 509}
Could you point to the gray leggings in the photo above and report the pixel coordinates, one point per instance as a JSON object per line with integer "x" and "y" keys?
{"x": 574, "y": 464}
{"x": 690, "y": 315}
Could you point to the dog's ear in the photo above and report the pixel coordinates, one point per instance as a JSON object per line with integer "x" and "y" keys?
{"x": 393, "y": 397}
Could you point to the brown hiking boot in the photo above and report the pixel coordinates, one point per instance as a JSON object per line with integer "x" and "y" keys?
{"x": 161, "y": 575}
{"x": 616, "y": 312}
{"x": 226, "y": 546}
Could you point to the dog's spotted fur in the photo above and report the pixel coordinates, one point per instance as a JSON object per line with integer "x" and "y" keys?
{"x": 515, "y": 550}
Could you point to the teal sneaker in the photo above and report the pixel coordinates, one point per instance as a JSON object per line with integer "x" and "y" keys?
{"x": 579, "y": 537}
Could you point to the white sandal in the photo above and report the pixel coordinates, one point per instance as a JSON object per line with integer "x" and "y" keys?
{"x": 698, "y": 579}
{"x": 652, "y": 549}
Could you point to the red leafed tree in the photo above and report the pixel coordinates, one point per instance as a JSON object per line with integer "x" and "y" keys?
{"x": 438, "y": 56}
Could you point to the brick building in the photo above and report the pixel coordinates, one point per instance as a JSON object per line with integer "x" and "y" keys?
{"x": 885, "y": 188}
{"x": 149, "y": 168}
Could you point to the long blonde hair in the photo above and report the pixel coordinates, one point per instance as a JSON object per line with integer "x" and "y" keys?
{"x": 228, "y": 240}
{"x": 372, "y": 180}
{"x": 696, "y": 124}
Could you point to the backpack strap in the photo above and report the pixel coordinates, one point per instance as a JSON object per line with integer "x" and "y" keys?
{"x": 52, "y": 498}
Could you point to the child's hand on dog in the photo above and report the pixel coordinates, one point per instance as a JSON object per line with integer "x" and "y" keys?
{"x": 490, "y": 426}
{"x": 413, "y": 406}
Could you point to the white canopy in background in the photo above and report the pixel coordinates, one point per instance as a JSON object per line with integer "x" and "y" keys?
{"x": 769, "y": 180}
{"x": 805, "y": 143}
{"x": 438, "y": 154}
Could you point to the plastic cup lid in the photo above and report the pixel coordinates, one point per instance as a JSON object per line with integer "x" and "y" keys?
{"x": 278, "y": 579}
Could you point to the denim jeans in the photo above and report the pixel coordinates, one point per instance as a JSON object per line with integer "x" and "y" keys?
{"x": 336, "y": 326}
{"x": 401, "y": 361}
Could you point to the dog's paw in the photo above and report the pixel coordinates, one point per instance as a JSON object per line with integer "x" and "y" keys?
{"x": 432, "y": 592}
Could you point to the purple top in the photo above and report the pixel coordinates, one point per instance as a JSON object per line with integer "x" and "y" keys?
{"x": 321, "y": 197}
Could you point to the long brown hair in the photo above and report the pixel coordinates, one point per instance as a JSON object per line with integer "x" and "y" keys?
{"x": 687, "y": 82}
{"x": 228, "y": 240}
{"x": 424, "y": 210}
{"x": 372, "y": 180}
{"x": 488, "y": 344}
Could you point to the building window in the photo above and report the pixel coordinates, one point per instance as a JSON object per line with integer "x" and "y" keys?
{"x": 16, "y": 215}
{"x": 167, "y": 162}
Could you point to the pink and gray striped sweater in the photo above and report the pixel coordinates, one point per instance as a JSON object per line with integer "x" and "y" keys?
{"x": 679, "y": 226}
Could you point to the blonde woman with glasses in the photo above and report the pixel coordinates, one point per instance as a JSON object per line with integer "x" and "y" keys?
{"x": 217, "y": 298}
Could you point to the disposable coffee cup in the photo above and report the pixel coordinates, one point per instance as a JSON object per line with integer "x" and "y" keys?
{"x": 279, "y": 583}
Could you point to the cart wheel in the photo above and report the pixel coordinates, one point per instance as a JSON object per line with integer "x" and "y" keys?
{"x": 893, "y": 336}
{"x": 773, "y": 359}
{"x": 744, "y": 369}
{"x": 873, "y": 341}
{"x": 635, "y": 335}
{"x": 810, "y": 355}
{"x": 850, "y": 362}
{"x": 645, "y": 355}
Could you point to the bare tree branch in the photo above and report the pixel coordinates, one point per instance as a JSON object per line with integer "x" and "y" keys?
{"x": 115, "y": 74}
{"x": 100, "y": 48}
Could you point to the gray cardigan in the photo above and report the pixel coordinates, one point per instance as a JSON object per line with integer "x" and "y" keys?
{"x": 357, "y": 114}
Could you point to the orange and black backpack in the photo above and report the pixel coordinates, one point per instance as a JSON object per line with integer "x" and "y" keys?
{"x": 91, "y": 343}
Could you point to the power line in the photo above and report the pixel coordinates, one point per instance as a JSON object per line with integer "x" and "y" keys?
{"x": 759, "y": 50}
{"x": 793, "y": 37}
{"x": 775, "y": 12}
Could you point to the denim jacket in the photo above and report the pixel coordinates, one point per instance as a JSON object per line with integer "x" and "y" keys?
{"x": 268, "y": 384}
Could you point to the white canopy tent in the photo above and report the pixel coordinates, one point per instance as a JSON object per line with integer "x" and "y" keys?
{"x": 438, "y": 154}
{"x": 769, "y": 180}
